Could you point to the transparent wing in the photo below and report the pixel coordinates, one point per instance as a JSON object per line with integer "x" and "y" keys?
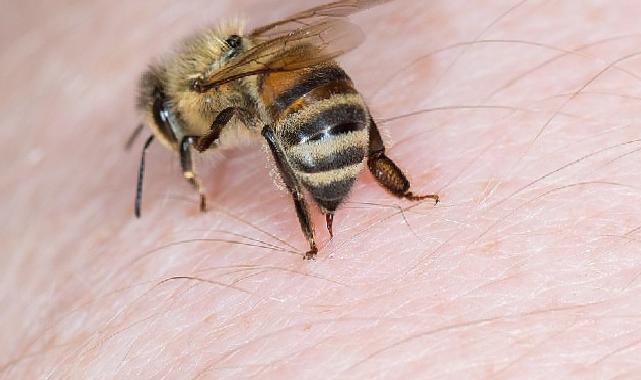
{"x": 303, "y": 47}
{"x": 319, "y": 14}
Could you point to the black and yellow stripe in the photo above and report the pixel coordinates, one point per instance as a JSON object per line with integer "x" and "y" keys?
{"x": 322, "y": 124}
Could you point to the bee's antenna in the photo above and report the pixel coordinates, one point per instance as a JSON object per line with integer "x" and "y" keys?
{"x": 141, "y": 172}
{"x": 132, "y": 138}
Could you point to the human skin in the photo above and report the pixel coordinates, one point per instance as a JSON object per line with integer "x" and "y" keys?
{"x": 529, "y": 267}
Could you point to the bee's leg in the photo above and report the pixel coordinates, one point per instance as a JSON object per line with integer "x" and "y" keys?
{"x": 221, "y": 120}
{"x": 294, "y": 188}
{"x": 387, "y": 174}
{"x": 188, "y": 169}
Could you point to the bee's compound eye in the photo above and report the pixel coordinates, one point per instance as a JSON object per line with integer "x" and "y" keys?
{"x": 233, "y": 41}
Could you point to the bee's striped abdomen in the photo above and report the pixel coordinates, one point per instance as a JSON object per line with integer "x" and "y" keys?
{"x": 322, "y": 122}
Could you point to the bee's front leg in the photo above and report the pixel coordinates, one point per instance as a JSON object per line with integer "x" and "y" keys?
{"x": 188, "y": 169}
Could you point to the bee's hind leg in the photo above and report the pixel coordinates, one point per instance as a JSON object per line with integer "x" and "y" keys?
{"x": 385, "y": 171}
{"x": 188, "y": 169}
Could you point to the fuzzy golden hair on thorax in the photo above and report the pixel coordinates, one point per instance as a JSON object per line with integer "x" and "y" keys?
{"x": 200, "y": 53}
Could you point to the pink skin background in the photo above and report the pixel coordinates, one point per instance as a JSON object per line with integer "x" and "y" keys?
{"x": 530, "y": 267}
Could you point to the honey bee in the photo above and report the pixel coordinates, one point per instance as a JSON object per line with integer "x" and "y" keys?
{"x": 280, "y": 82}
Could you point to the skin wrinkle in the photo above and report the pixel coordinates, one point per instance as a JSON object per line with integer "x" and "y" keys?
{"x": 549, "y": 61}
{"x": 534, "y": 348}
{"x": 70, "y": 313}
{"x": 466, "y": 324}
{"x": 253, "y": 226}
{"x": 261, "y": 245}
{"x": 225, "y": 232}
{"x": 618, "y": 350}
{"x": 563, "y": 167}
{"x": 458, "y": 107}
{"x": 376, "y": 275}
{"x": 485, "y": 30}
{"x": 273, "y": 268}
{"x": 546, "y": 193}
{"x": 176, "y": 300}
{"x": 560, "y": 108}
{"x": 97, "y": 342}
{"x": 231, "y": 353}
{"x": 401, "y": 212}
{"x": 564, "y": 53}
{"x": 151, "y": 316}
{"x": 583, "y": 87}
{"x": 13, "y": 362}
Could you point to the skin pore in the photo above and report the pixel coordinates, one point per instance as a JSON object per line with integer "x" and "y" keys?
{"x": 526, "y": 124}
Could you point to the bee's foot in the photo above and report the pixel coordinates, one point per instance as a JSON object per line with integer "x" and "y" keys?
{"x": 311, "y": 254}
{"x": 412, "y": 197}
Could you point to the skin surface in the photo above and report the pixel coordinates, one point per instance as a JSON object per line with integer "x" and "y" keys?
{"x": 529, "y": 267}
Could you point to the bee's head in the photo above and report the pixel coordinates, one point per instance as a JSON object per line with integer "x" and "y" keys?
{"x": 153, "y": 102}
